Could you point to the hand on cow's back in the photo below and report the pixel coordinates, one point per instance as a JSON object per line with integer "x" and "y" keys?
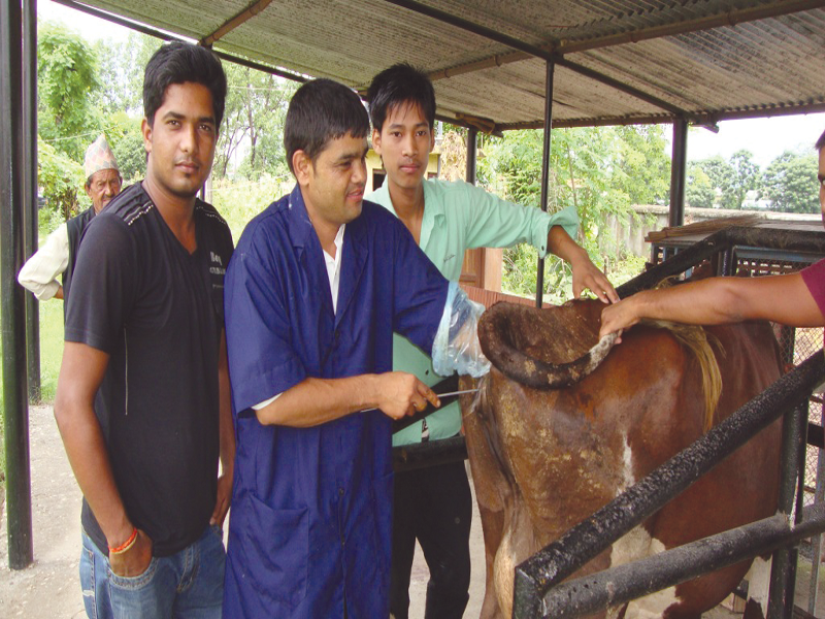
{"x": 399, "y": 394}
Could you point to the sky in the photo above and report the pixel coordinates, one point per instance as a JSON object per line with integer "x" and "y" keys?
{"x": 765, "y": 138}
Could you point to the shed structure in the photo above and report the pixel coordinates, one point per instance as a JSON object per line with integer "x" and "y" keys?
{"x": 496, "y": 65}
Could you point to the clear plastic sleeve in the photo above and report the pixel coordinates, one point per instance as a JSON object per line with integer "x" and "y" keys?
{"x": 456, "y": 347}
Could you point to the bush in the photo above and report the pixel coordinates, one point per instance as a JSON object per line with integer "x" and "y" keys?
{"x": 238, "y": 202}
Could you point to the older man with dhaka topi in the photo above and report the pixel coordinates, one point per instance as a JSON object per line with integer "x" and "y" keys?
{"x": 59, "y": 253}
{"x": 143, "y": 394}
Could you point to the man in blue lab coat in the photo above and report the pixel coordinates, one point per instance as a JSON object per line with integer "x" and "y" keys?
{"x": 317, "y": 285}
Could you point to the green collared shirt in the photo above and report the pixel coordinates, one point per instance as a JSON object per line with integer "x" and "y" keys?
{"x": 459, "y": 216}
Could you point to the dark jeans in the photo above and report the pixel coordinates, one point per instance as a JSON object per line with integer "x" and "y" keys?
{"x": 433, "y": 505}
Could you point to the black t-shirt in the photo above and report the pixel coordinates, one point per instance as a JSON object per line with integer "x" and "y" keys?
{"x": 75, "y": 228}
{"x": 138, "y": 295}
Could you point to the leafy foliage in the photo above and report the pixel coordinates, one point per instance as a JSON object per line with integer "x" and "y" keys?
{"x": 239, "y": 201}
{"x": 720, "y": 174}
{"x": 67, "y": 76}
{"x": 746, "y": 177}
{"x": 251, "y": 138}
{"x": 126, "y": 141}
{"x": 699, "y": 190}
{"x": 790, "y": 183}
{"x": 643, "y": 168}
{"x": 598, "y": 171}
{"x": 60, "y": 179}
{"x": 121, "y": 69}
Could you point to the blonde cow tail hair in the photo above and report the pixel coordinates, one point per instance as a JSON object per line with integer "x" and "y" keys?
{"x": 701, "y": 344}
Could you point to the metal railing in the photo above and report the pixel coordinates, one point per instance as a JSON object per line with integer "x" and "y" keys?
{"x": 536, "y": 578}
{"x": 538, "y": 589}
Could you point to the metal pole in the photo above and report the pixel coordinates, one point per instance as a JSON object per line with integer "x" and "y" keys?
{"x": 30, "y": 197}
{"x": 783, "y": 566}
{"x": 472, "y": 149}
{"x": 545, "y": 166}
{"x": 816, "y": 542}
{"x": 630, "y": 581}
{"x": 12, "y": 304}
{"x": 677, "y": 173}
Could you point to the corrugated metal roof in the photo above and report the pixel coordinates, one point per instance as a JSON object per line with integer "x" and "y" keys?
{"x": 618, "y": 61}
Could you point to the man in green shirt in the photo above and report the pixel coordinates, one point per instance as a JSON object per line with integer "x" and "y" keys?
{"x": 434, "y": 504}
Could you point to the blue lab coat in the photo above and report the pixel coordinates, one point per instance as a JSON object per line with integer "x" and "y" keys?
{"x": 310, "y": 525}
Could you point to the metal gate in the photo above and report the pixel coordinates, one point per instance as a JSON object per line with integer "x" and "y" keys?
{"x": 539, "y": 591}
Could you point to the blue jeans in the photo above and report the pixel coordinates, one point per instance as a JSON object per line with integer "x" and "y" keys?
{"x": 188, "y": 584}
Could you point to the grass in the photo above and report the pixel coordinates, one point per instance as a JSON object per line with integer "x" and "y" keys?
{"x": 51, "y": 347}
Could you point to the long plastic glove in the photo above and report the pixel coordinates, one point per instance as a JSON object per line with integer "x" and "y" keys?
{"x": 456, "y": 347}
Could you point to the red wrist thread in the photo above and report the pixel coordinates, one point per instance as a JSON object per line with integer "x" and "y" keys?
{"x": 116, "y": 550}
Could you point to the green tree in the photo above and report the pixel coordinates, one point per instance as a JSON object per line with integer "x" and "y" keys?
{"x": 126, "y": 140}
{"x": 590, "y": 170}
{"x": 699, "y": 190}
{"x": 746, "y": 177}
{"x": 642, "y": 169}
{"x": 790, "y": 183}
{"x": 720, "y": 173}
{"x": 59, "y": 178}
{"x": 121, "y": 69}
{"x": 67, "y": 78}
{"x": 256, "y": 105}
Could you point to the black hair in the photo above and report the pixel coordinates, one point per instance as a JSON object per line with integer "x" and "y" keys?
{"x": 321, "y": 111}
{"x": 177, "y": 63}
{"x": 820, "y": 143}
{"x": 401, "y": 84}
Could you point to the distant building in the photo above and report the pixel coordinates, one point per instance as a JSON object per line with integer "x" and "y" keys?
{"x": 753, "y": 202}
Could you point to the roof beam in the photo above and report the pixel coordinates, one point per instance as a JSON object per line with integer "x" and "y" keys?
{"x": 698, "y": 120}
{"x": 483, "y": 31}
{"x": 778, "y": 8}
{"x": 166, "y": 36}
{"x": 534, "y": 51}
{"x": 621, "y": 86}
{"x": 251, "y": 11}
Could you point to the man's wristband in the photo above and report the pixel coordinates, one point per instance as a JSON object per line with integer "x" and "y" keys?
{"x": 118, "y": 550}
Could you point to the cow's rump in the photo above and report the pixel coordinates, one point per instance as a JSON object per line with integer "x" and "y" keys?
{"x": 545, "y": 459}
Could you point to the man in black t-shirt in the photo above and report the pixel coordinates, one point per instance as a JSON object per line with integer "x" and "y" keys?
{"x": 143, "y": 394}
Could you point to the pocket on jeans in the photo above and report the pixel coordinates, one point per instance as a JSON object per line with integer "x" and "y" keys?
{"x": 274, "y": 550}
{"x": 133, "y": 583}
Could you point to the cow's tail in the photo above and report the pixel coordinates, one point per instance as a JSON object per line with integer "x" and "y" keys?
{"x": 701, "y": 344}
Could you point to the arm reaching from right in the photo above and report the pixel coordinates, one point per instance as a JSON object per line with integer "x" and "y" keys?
{"x": 720, "y": 300}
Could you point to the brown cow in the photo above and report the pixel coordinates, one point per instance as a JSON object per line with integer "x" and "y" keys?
{"x": 545, "y": 459}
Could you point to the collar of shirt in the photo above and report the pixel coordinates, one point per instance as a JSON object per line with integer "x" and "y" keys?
{"x": 433, "y": 215}
{"x": 334, "y": 266}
